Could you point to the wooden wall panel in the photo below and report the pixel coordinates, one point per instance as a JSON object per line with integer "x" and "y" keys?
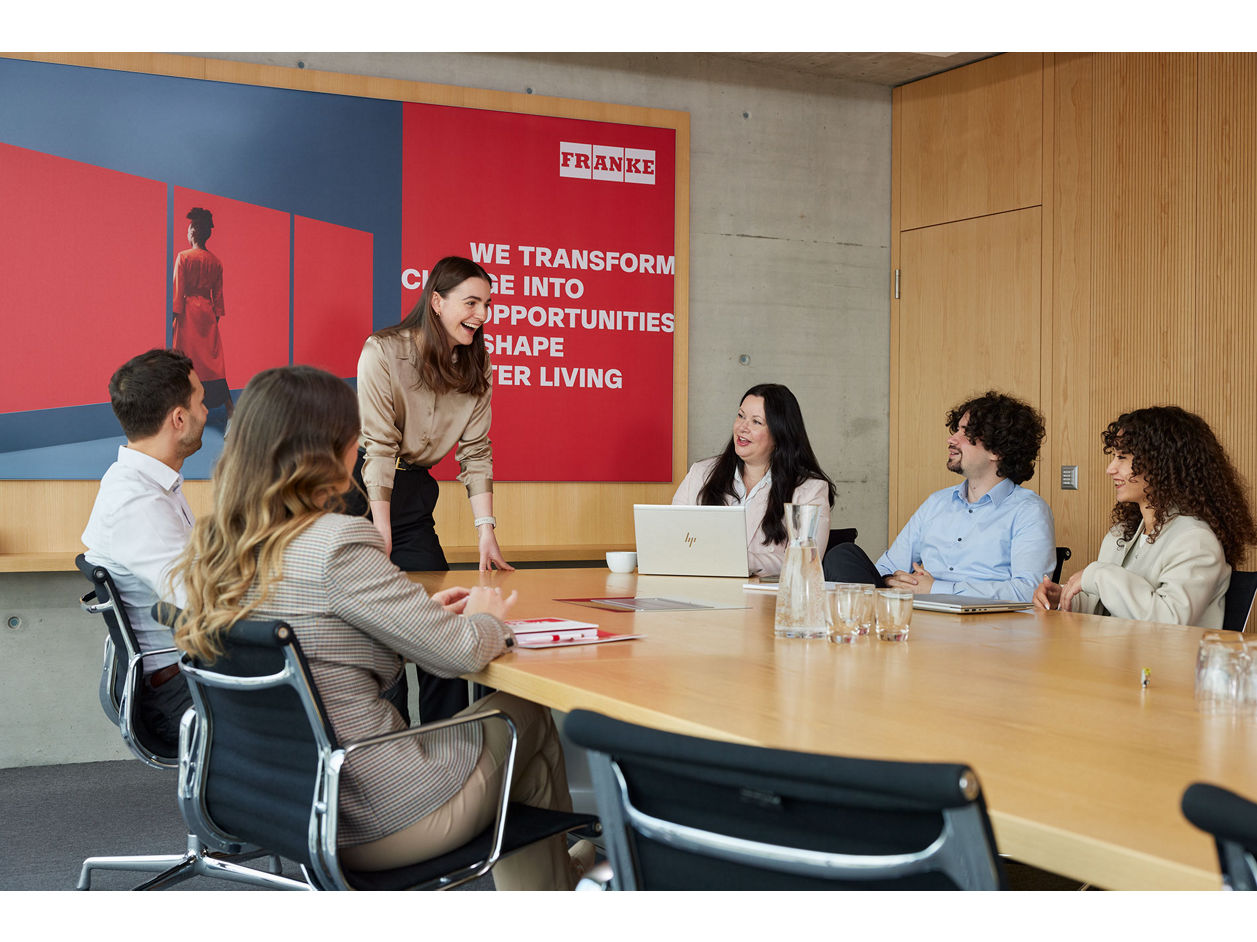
{"x": 1225, "y": 317}
{"x": 971, "y": 141}
{"x": 1144, "y": 225}
{"x": 969, "y": 320}
{"x": 1150, "y": 232}
{"x": 1068, "y": 380}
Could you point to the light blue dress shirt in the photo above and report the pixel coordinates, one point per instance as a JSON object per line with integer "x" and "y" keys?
{"x": 999, "y": 547}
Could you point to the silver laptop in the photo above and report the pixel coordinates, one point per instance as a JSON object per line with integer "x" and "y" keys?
{"x": 690, "y": 541}
{"x": 966, "y": 604}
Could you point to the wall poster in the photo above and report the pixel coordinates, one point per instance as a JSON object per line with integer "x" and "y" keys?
{"x": 328, "y": 211}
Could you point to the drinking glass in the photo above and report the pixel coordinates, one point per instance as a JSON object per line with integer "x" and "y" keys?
{"x": 845, "y": 600}
{"x": 894, "y": 614}
{"x": 1221, "y": 665}
{"x": 865, "y": 608}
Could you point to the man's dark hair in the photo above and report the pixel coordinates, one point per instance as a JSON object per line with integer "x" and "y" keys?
{"x": 145, "y": 389}
{"x": 1006, "y": 427}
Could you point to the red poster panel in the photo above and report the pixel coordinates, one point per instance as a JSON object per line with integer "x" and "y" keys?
{"x": 81, "y": 277}
{"x": 332, "y": 296}
{"x": 574, "y": 220}
{"x": 252, "y": 242}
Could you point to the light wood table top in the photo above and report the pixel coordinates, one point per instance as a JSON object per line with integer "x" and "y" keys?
{"x": 1082, "y": 768}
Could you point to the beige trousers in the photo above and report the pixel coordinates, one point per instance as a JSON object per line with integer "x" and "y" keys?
{"x": 540, "y": 780}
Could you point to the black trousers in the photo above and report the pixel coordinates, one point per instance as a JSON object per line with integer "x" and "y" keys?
{"x": 846, "y": 562}
{"x": 416, "y": 549}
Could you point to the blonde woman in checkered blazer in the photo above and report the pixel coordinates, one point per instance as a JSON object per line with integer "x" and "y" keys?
{"x": 275, "y": 547}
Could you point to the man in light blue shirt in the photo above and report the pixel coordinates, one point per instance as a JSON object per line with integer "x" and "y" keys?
{"x": 987, "y": 537}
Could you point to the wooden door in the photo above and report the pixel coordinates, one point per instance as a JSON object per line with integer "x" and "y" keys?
{"x": 968, "y": 320}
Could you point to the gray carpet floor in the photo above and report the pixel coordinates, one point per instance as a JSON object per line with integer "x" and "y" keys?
{"x": 54, "y": 816}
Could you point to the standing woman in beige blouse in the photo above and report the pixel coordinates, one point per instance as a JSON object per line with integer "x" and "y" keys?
{"x": 424, "y": 387}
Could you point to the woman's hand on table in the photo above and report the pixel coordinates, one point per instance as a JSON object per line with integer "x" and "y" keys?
{"x": 489, "y": 600}
{"x": 490, "y": 553}
{"x": 1069, "y": 590}
{"x": 453, "y": 599}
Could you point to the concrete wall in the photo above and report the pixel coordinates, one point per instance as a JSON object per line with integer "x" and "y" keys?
{"x": 790, "y": 256}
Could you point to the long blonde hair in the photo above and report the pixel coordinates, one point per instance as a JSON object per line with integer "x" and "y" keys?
{"x": 280, "y": 470}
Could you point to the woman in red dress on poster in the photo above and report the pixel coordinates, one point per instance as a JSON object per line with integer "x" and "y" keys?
{"x": 198, "y": 307}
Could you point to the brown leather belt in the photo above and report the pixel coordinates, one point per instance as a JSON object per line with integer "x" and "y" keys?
{"x": 159, "y": 677}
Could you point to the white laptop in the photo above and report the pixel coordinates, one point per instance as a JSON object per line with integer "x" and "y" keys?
{"x": 966, "y": 604}
{"x": 677, "y": 540}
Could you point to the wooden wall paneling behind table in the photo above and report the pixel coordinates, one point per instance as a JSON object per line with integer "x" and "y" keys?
{"x": 1149, "y": 228}
{"x": 40, "y": 521}
{"x": 968, "y": 242}
{"x": 968, "y": 321}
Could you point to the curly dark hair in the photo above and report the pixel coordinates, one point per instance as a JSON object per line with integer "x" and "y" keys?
{"x": 1185, "y": 470}
{"x": 1006, "y": 427}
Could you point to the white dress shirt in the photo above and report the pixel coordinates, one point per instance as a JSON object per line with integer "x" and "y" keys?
{"x": 139, "y": 524}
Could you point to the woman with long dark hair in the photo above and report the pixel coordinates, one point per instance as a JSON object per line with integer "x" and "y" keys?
{"x": 425, "y": 386}
{"x": 198, "y": 307}
{"x": 1181, "y": 523}
{"x": 767, "y": 464}
{"x": 274, "y": 546}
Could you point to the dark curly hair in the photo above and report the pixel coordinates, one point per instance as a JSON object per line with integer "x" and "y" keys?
{"x": 793, "y": 461}
{"x": 1006, "y": 427}
{"x": 1186, "y": 471}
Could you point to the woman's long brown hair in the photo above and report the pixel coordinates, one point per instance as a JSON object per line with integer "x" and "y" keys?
{"x": 444, "y": 366}
{"x": 281, "y": 468}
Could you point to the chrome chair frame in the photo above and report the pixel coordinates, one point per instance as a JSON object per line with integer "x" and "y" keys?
{"x": 121, "y": 708}
{"x": 323, "y": 869}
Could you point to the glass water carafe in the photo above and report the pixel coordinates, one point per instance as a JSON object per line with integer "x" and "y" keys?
{"x": 802, "y": 611}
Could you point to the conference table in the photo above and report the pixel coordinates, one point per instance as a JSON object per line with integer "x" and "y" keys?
{"x": 1082, "y": 765}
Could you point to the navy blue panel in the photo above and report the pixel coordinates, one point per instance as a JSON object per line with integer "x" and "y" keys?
{"x": 334, "y": 158}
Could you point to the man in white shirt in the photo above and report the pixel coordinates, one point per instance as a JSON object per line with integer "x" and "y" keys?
{"x": 141, "y": 521}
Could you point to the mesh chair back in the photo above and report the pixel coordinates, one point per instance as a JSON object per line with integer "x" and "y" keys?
{"x": 121, "y": 650}
{"x": 1239, "y": 600}
{"x": 1232, "y": 821}
{"x": 686, "y": 813}
{"x": 262, "y": 739}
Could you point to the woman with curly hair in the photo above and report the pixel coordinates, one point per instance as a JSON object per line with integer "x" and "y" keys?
{"x": 276, "y": 546}
{"x": 768, "y": 463}
{"x": 1181, "y": 522}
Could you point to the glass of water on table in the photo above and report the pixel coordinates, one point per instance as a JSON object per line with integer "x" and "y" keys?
{"x": 894, "y": 614}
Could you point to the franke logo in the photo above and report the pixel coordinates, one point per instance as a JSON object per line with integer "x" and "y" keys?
{"x": 599, "y": 162}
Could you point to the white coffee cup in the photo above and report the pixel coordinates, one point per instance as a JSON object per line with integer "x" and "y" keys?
{"x": 621, "y": 562}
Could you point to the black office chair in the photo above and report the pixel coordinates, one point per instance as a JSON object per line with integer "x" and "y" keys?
{"x": 1062, "y": 553}
{"x": 841, "y": 535}
{"x": 262, "y": 765}
{"x": 120, "y": 680}
{"x": 1239, "y": 599}
{"x": 1232, "y": 821}
{"x": 686, "y": 813}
